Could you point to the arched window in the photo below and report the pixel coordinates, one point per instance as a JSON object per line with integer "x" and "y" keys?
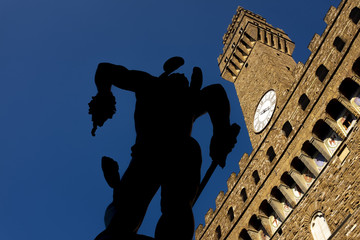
{"x": 243, "y": 195}
{"x": 356, "y": 66}
{"x": 307, "y": 176}
{"x": 351, "y": 90}
{"x": 276, "y": 193}
{"x": 295, "y": 189}
{"x": 326, "y": 134}
{"x": 319, "y": 228}
{"x": 244, "y": 235}
{"x": 285, "y": 207}
{"x": 319, "y": 160}
{"x": 255, "y": 222}
{"x": 321, "y": 130}
{"x": 355, "y": 15}
{"x": 344, "y": 119}
{"x": 231, "y": 214}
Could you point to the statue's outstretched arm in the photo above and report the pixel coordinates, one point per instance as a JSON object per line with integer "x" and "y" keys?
{"x": 108, "y": 75}
{"x": 102, "y": 106}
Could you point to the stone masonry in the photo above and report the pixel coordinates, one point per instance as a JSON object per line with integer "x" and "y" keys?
{"x": 302, "y": 179}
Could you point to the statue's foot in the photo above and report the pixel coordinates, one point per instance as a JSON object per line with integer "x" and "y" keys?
{"x": 111, "y": 172}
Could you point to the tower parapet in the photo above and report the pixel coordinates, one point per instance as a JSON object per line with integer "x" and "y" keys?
{"x": 242, "y": 34}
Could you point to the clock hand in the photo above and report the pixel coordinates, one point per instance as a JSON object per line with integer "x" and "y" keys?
{"x": 265, "y": 110}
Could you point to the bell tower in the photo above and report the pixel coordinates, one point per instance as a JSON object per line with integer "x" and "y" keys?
{"x": 257, "y": 59}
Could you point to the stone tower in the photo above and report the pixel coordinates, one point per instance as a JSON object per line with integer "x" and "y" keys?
{"x": 257, "y": 59}
{"x": 302, "y": 179}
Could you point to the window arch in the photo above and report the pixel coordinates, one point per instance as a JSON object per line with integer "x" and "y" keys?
{"x": 319, "y": 228}
{"x": 351, "y": 90}
{"x": 295, "y": 190}
{"x": 318, "y": 159}
{"x": 321, "y": 130}
{"x": 255, "y": 222}
{"x": 287, "y": 180}
{"x": 244, "y": 235}
{"x": 276, "y": 193}
{"x": 329, "y": 138}
{"x": 343, "y": 117}
{"x": 356, "y": 66}
{"x": 348, "y": 88}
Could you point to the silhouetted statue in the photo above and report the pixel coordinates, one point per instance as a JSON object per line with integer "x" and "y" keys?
{"x": 164, "y": 155}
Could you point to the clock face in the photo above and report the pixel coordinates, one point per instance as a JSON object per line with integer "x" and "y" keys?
{"x": 264, "y": 111}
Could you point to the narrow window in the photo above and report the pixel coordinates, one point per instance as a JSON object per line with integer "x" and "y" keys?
{"x": 272, "y": 40}
{"x": 355, "y": 15}
{"x": 231, "y": 214}
{"x": 271, "y": 154}
{"x": 304, "y": 101}
{"x": 339, "y": 44}
{"x": 218, "y": 232}
{"x": 233, "y": 45}
{"x": 259, "y": 34}
{"x": 287, "y": 128}
{"x": 243, "y": 195}
{"x": 279, "y": 43}
{"x": 256, "y": 176}
{"x": 321, "y": 72}
{"x": 356, "y": 66}
{"x": 319, "y": 228}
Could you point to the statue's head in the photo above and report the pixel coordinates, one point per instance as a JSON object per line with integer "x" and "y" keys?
{"x": 171, "y": 65}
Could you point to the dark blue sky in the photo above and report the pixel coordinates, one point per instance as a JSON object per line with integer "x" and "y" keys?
{"x": 51, "y": 182}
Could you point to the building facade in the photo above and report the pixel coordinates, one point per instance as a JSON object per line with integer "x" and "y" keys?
{"x": 302, "y": 179}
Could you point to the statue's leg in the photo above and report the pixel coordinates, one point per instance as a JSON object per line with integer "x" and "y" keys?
{"x": 131, "y": 202}
{"x": 178, "y": 192}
